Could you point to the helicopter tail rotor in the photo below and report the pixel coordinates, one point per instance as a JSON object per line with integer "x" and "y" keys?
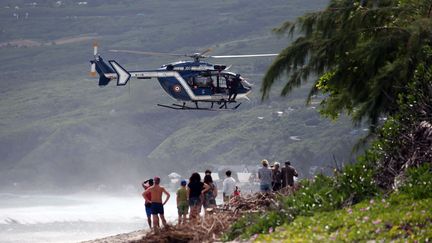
{"x": 93, "y": 65}
{"x": 97, "y": 65}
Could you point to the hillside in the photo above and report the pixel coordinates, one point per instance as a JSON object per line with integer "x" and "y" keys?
{"x": 58, "y": 126}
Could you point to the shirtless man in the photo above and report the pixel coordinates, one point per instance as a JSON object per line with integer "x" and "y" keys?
{"x": 155, "y": 198}
{"x": 146, "y": 185}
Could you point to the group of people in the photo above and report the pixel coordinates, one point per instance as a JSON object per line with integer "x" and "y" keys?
{"x": 191, "y": 196}
{"x": 273, "y": 178}
{"x": 197, "y": 193}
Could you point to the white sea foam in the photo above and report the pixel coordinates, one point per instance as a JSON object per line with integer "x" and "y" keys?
{"x": 71, "y": 218}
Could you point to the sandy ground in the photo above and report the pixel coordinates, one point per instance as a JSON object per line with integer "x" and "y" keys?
{"x": 121, "y": 238}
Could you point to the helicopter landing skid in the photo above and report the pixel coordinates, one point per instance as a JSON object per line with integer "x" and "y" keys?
{"x": 224, "y": 106}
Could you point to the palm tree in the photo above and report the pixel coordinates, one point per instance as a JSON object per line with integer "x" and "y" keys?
{"x": 363, "y": 52}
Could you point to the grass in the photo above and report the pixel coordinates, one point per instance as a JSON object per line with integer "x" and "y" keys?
{"x": 399, "y": 218}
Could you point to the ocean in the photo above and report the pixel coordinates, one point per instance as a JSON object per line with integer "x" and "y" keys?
{"x": 72, "y": 218}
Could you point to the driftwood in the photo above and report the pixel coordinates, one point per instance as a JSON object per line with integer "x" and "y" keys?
{"x": 202, "y": 230}
{"x": 217, "y": 220}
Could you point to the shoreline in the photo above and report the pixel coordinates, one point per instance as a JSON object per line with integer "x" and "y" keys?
{"x": 121, "y": 238}
{"x": 208, "y": 228}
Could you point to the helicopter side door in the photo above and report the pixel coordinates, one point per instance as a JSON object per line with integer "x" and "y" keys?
{"x": 201, "y": 84}
{"x": 220, "y": 83}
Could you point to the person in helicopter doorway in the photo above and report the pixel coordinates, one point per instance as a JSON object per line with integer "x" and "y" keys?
{"x": 233, "y": 87}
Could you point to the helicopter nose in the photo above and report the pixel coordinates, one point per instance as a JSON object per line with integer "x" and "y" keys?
{"x": 246, "y": 84}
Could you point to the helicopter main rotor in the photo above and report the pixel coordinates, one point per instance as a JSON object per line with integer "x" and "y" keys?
{"x": 195, "y": 56}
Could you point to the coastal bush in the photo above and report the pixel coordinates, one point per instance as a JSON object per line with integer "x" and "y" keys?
{"x": 257, "y": 223}
{"x": 399, "y": 218}
{"x": 404, "y": 215}
{"x": 323, "y": 193}
{"x": 418, "y": 182}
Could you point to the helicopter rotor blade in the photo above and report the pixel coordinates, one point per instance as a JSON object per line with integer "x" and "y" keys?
{"x": 240, "y": 56}
{"x": 205, "y": 51}
{"x": 195, "y": 56}
{"x": 149, "y": 53}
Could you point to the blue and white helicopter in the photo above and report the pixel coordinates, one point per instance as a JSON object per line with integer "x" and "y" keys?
{"x": 193, "y": 83}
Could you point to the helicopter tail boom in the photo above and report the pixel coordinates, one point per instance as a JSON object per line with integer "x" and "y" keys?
{"x": 106, "y": 73}
{"x": 123, "y": 76}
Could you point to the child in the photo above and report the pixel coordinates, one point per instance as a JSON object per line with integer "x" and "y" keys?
{"x": 236, "y": 192}
{"x": 182, "y": 202}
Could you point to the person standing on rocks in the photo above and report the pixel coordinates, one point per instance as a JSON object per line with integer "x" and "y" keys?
{"x": 146, "y": 185}
{"x": 265, "y": 177}
{"x": 209, "y": 193}
{"x": 288, "y": 173}
{"x": 276, "y": 177}
{"x": 182, "y": 202}
{"x": 155, "y": 199}
{"x": 228, "y": 187}
{"x": 195, "y": 188}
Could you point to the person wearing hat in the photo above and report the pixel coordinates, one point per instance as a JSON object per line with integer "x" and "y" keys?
{"x": 288, "y": 173}
{"x": 182, "y": 202}
{"x": 155, "y": 198}
{"x": 265, "y": 176}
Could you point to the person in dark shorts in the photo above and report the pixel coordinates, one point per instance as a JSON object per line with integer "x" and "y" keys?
{"x": 147, "y": 184}
{"x": 157, "y": 209}
{"x": 195, "y": 187}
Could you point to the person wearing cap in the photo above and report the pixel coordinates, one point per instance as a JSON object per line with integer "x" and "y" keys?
{"x": 288, "y": 173}
{"x": 276, "y": 177}
{"x": 155, "y": 198}
{"x": 265, "y": 176}
{"x": 182, "y": 202}
{"x": 146, "y": 185}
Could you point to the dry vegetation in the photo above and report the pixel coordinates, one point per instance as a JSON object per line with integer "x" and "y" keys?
{"x": 217, "y": 220}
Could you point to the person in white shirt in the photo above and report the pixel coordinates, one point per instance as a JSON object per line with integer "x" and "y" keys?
{"x": 228, "y": 187}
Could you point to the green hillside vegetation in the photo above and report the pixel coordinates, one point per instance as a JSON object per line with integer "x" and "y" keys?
{"x": 58, "y": 126}
{"x": 298, "y": 133}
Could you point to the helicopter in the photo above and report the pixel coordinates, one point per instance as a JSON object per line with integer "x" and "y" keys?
{"x": 193, "y": 83}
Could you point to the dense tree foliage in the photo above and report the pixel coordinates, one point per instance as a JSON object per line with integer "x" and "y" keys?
{"x": 364, "y": 52}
